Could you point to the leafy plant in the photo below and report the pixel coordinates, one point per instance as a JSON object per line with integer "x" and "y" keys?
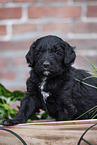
{"x": 93, "y": 110}
{"x": 93, "y": 68}
{"x": 7, "y": 98}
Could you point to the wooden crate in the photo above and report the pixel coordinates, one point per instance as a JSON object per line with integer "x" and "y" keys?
{"x": 50, "y": 133}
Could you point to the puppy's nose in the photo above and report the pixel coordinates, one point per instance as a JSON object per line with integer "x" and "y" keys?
{"x": 46, "y": 64}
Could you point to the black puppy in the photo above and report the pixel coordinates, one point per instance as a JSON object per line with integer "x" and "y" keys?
{"x": 54, "y": 85}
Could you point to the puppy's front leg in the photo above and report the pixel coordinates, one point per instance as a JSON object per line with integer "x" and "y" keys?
{"x": 27, "y": 108}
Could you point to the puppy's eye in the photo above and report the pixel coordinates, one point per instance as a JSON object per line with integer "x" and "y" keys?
{"x": 39, "y": 51}
{"x": 58, "y": 51}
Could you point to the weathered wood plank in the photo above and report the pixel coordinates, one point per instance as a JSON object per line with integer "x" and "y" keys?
{"x": 51, "y": 133}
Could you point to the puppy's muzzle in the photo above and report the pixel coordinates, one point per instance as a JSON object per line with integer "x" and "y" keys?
{"x": 46, "y": 64}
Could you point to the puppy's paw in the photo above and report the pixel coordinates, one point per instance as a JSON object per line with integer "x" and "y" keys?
{"x": 7, "y": 122}
{"x": 10, "y": 122}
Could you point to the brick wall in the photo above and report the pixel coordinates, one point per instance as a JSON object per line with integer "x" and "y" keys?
{"x": 23, "y": 21}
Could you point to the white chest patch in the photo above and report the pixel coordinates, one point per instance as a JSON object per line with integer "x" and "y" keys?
{"x": 44, "y": 94}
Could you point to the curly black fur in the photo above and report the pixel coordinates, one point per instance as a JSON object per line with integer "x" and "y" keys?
{"x": 53, "y": 84}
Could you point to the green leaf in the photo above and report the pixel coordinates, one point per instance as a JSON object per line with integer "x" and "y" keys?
{"x": 7, "y": 98}
{"x": 93, "y": 109}
{"x": 18, "y": 95}
{"x": 94, "y": 68}
{"x": 4, "y": 91}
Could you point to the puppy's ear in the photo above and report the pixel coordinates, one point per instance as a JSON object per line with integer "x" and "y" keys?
{"x": 30, "y": 56}
{"x": 69, "y": 54}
